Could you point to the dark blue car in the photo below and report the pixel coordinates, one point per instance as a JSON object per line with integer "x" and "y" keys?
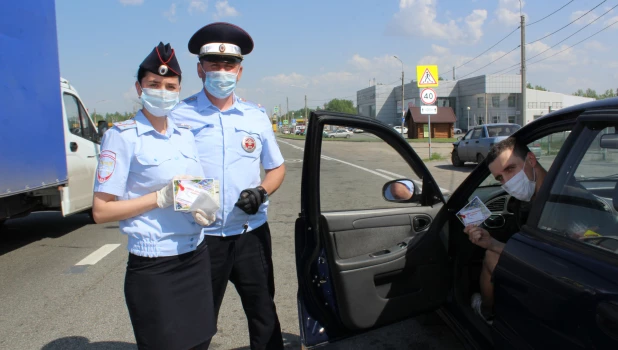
{"x": 360, "y": 270}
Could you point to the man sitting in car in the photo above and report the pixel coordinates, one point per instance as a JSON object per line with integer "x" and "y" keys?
{"x": 521, "y": 175}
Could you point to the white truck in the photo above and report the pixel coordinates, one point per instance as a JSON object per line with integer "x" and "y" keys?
{"x": 49, "y": 145}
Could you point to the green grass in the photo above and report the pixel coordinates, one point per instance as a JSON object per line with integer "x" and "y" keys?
{"x": 451, "y": 140}
{"x": 434, "y": 156}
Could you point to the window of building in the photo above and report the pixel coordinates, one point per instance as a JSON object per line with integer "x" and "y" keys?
{"x": 532, "y": 105}
{"x": 544, "y": 104}
{"x": 512, "y": 119}
{"x": 495, "y": 101}
{"x": 480, "y": 102}
{"x": 495, "y": 119}
{"x": 556, "y": 105}
{"x": 372, "y": 111}
{"x": 480, "y": 120}
{"x": 511, "y": 100}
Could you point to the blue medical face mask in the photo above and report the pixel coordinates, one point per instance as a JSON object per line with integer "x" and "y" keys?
{"x": 159, "y": 102}
{"x": 220, "y": 84}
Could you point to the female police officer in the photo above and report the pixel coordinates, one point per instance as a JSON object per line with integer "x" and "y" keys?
{"x": 167, "y": 284}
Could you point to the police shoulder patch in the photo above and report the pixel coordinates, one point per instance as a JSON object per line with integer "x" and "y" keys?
{"x": 190, "y": 99}
{"x": 126, "y": 124}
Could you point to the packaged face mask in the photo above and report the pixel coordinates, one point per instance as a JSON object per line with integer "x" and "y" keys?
{"x": 188, "y": 191}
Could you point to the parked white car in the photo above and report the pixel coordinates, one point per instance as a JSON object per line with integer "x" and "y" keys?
{"x": 398, "y": 129}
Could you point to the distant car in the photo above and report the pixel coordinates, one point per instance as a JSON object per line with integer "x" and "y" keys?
{"x": 475, "y": 144}
{"x": 457, "y": 131}
{"x": 300, "y": 132}
{"x": 339, "y": 133}
{"x": 398, "y": 129}
{"x": 358, "y": 131}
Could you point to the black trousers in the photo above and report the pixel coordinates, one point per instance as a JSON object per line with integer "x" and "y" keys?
{"x": 246, "y": 261}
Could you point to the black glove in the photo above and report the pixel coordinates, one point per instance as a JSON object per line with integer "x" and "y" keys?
{"x": 250, "y": 200}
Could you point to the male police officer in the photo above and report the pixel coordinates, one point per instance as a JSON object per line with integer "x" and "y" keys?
{"x": 233, "y": 138}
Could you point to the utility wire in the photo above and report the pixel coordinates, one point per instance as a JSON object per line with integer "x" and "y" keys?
{"x": 494, "y": 45}
{"x": 577, "y": 43}
{"x": 575, "y": 20}
{"x": 535, "y": 22}
{"x": 515, "y": 48}
{"x": 563, "y": 40}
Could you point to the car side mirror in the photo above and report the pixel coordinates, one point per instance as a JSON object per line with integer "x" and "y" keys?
{"x": 400, "y": 191}
{"x": 609, "y": 141}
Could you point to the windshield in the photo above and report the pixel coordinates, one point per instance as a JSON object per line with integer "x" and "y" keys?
{"x": 501, "y": 130}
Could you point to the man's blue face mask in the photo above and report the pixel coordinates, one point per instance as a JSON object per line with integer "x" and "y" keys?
{"x": 220, "y": 84}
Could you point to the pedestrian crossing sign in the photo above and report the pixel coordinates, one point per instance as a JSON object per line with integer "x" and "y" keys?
{"x": 427, "y": 76}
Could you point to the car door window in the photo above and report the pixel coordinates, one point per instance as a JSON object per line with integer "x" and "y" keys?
{"x": 580, "y": 206}
{"x": 477, "y": 133}
{"x": 545, "y": 149}
{"x": 468, "y": 135}
{"x": 352, "y": 174}
{"x": 78, "y": 121}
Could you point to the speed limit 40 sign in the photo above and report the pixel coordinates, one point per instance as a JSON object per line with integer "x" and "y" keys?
{"x": 428, "y": 96}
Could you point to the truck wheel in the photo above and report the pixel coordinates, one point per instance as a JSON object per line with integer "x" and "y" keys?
{"x": 455, "y": 159}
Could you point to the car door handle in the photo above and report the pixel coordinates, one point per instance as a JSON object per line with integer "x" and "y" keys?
{"x": 419, "y": 223}
{"x": 466, "y": 142}
{"x": 607, "y": 318}
{"x": 73, "y": 146}
{"x": 476, "y": 142}
{"x": 91, "y": 156}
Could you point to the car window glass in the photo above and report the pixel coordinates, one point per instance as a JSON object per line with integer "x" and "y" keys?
{"x": 88, "y": 130}
{"x": 468, "y": 135}
{"x": 353, "y": 172}
{"x": 476, "y": 134}
{"x": 545, "y": 149}
{"x": 580, "y": 206}
{"x": 71, "y": 110}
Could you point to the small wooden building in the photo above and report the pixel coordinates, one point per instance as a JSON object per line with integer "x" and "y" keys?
{"x": 441, "y": 124}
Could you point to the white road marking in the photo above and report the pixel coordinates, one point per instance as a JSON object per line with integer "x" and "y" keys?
{"x": 98, "y": 254}
{"x": 389, "y": 173}
{"x": 360, "y": 167}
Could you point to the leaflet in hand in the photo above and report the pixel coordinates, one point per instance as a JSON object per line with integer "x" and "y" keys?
{"x": 474, "y": 213}
{"x": 187, "y": 191}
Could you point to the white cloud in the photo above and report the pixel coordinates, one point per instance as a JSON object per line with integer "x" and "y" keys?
{"x": 596, "y": 46}
{"x": 507, "y": 12}
{"x": 170, "y": 14}
{"x": 418, "y": 18}
{"x": 131, "y": 2}
{"x": 225, "y": 10}
{"x": 587, "y": 19}
{"x": 612, "y": 21}
{"x": 197, "y": 6}
{"x": 439, "y": 49}
{"x": 285, "y": 80}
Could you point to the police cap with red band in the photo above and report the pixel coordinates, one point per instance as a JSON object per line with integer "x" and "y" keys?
{"x": 162, "y": 61}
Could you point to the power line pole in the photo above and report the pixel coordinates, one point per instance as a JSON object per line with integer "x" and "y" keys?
{"x": 523, "y": 70}
{"x": 305, "y": 109}
{"x": 453, "y": 73}
{"x": 403, "y": 112}
{"x": 287, "y": 109}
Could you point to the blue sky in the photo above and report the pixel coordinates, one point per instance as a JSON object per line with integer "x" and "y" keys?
{"x": 330, "y": 49}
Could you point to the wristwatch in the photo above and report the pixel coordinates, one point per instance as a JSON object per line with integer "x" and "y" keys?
{"x": 264, "y": 194}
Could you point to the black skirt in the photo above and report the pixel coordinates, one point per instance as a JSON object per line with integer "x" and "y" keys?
{"x": 170, "y": 300}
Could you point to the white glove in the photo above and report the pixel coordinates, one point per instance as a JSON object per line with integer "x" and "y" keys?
{"x": 202, "y": 218}
{"x": 165, "y": 196}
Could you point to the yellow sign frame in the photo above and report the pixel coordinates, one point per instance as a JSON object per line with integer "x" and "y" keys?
{"x": 423, "y": 80}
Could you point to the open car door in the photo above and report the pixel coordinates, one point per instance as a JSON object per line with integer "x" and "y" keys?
{"x": 373, "y": 260}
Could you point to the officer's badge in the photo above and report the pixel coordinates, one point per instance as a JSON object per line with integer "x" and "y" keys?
{"x": 248, "y": 144}
{"x": 107, "y": 164}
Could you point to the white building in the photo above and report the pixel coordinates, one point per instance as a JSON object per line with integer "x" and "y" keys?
{"x": 478, "y": 100}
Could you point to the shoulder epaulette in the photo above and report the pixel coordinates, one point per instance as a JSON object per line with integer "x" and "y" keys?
{"x": 184, "y": 126}
{"x": 190, "y": 99}
{"x": 126, "y": 124}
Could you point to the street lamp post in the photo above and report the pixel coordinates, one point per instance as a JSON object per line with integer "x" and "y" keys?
{"x": 468, "y": 120}
{"x": 403, "y": 112}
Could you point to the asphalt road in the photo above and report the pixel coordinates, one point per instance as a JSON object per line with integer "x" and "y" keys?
{"x": 52, "y": 299}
